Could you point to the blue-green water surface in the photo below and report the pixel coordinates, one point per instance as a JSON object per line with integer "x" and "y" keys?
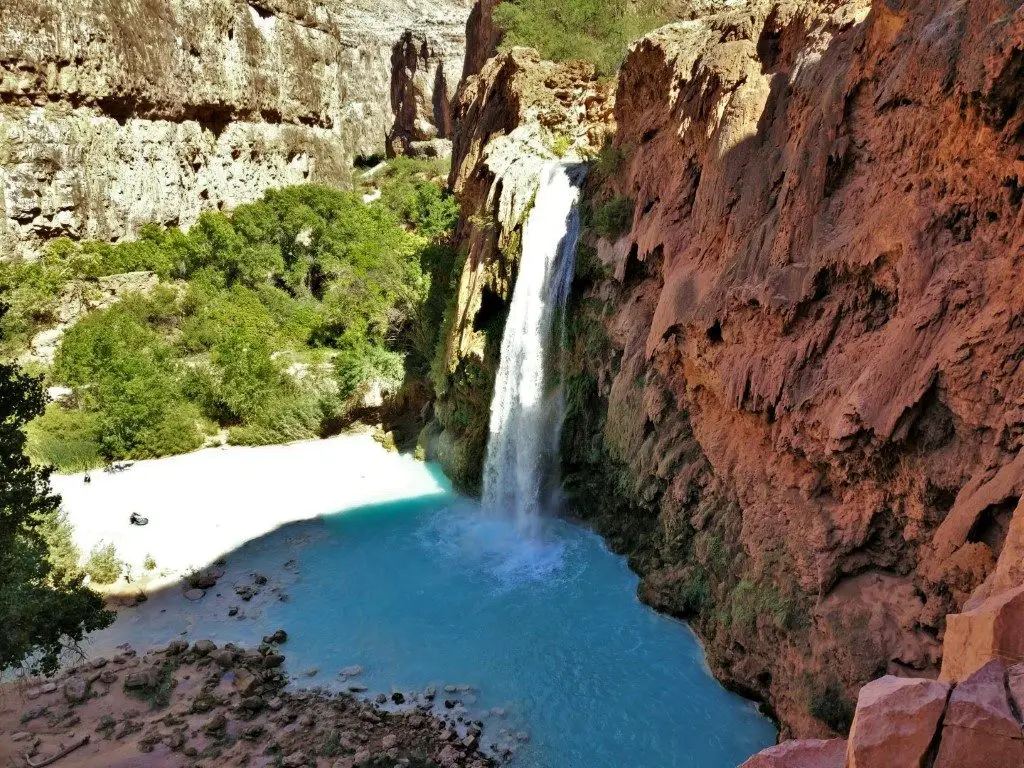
{"x": 430, "y": 592}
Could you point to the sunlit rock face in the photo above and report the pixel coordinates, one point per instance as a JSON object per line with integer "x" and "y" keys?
{"x": 115, "y": 114}
{"x": 800, "y": 402}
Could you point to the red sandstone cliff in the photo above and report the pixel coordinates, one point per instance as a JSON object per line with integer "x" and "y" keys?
{"x": 815, "y": 332}
{"x": 794, "y": 382}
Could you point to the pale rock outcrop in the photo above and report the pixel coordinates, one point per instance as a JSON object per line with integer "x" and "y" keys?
{"x": 115, "y": 114}
{"x": 992, "y": 630}
{"x": 980, "y": 730}
{"x": 801, "y": 753}
{"x": 895, "y": 723}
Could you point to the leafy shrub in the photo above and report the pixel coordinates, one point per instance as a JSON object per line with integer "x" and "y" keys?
{"x": 103, "y": 565}
{"x": 67, "y": 440}
{"x": 127, "y": 375}
{"x": 829, "y": 704}
{"x": 158, "y": 693}
{"x": 752, "y": 599}
{"x": 614, "y": 218}
{"x": 303, "y": 268}
{"x": 598, "y": 31}
{"x": 149, "y": 563}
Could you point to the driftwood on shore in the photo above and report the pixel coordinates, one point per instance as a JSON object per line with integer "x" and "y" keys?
{"x": 63, "y": 753}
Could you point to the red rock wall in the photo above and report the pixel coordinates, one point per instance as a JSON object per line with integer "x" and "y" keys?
{"x": 811, "y": 384}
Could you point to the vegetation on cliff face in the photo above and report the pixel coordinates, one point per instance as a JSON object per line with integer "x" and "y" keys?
{"x": 269, "y": 322}
{"x": 44, "y": 606}
{"x": 593, "y": 30}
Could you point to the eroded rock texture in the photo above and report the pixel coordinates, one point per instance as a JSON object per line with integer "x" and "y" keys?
{"x": 795, "y": 393}
{"x": 114, "y": 114}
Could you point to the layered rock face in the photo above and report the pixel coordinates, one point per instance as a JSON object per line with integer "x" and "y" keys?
{"x": 795, "y": 389}
{"x": 115, "y": 114}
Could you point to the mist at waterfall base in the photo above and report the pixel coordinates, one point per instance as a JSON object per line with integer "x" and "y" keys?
{"x": 533, "y": 612}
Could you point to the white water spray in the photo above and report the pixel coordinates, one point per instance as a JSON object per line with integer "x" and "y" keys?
{"x": 520, "y": 473}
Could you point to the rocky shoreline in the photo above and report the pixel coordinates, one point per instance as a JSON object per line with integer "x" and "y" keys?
{"x": 200, "y": 704}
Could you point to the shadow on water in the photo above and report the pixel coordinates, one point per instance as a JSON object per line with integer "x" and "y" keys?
{"x": 429, "y": 591}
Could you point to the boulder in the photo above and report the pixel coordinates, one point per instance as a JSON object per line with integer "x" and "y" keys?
{"x": 980, "y": 729}
{"x": 895, "y": 722}
{"x": 144, "y": 677}
{"x": 246, "y": 683}
{"x": 992, "y": 630}
{"x": 204, "y": 647}
{"x": 1015, "y": 683}
{"x": 224, "y": 657}
{"x": 76, "y": 690}
{"x": 801, "y": 753}
{"x": 279, "y": 637}
{"x": 215, "y": 724}
{"x": 204, "y": 579}
{"x": 272, "y": 660}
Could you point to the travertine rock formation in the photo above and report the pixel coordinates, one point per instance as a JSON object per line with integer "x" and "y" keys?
{"x": 809, "y": 390}
{"x": 114, "y": 114}
{"x": 794, "y": 387}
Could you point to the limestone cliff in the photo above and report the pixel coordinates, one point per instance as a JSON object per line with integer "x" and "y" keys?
{"x": 114, "y": 114}
{"x": 794, "y": 386}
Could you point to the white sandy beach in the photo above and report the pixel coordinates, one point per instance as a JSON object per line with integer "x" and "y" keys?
{"x": 205, "y": 504}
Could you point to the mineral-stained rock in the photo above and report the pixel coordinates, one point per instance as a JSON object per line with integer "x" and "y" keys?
{"x": 800, "y": 356}
{"x": 246, "y": 683}
{"x": 993, "y": 629}
{"x": 806, "y": 753}
{"x": 895, "y": 723}
{"x": 980, "y": 729}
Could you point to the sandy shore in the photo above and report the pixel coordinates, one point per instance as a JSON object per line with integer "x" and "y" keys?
{"x": 204, "y": 505}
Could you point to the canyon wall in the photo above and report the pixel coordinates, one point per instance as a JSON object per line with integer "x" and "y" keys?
{"x": 116, "y": 113}
{"x": 793, "y": 373}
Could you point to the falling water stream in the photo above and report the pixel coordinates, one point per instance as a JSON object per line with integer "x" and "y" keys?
{"x": 520, "y": 472}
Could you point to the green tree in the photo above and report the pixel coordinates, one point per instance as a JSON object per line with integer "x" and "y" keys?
{"x": 44, "y": 607}
{"x": 598, "y": 31}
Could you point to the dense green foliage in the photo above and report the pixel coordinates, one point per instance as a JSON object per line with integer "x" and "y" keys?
{"x": 268, "y": 322}
{"x": 43, "y": 605}
{"x": 598, "y": 31}
{"x": 613, "y": 218}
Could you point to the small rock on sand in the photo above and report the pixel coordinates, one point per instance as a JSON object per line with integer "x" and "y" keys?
{"x": 195, "y": 594}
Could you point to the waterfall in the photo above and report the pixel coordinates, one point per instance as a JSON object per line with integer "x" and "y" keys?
{"x": 521, "y": 469}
